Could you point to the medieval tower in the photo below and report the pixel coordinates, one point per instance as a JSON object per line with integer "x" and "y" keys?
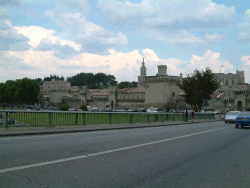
{"x": 143, "y": 73}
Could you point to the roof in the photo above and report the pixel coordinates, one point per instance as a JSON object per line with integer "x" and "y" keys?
{"x": 137, "y": 90}
{"x": 98, "y": 90}
{"x": 217, "y": 96}
{"x": 100, "y": 94}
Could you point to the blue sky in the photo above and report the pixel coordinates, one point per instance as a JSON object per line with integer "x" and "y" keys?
{"x": 39, "y": 38}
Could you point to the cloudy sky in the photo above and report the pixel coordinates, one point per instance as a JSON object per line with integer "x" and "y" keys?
{"x": 43, "y": 37}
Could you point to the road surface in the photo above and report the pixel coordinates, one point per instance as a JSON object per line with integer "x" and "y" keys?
{"x": 203, "y": 155}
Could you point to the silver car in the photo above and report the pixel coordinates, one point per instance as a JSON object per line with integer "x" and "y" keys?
{"x": 231, "y": 116}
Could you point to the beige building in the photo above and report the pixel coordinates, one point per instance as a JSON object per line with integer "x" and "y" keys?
{"x": 156, "y": 91}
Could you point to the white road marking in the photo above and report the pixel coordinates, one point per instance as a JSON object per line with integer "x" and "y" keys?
{"x": 103, "y": 152}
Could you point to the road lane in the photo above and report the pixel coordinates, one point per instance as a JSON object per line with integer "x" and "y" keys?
{"x": 146, "y": 165}
{"x": 19, "y": 151}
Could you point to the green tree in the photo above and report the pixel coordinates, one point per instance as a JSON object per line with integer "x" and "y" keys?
{"x": 97, "y": 81}
{"x": 39, "y": 81}
{"x": 2, "y": 100}
{"x": 199, "y": 87}
{"x": 9, "y": 91}
{"x": 127, "y": 84}
{"x": 27, "y": 90}
{"x": 84, "y": 107}
{"x": 53, "y": 76}
{"x": 64, "y": 107}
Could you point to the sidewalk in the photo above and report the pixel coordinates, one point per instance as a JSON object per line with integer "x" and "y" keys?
{"x": 21, "y": 131}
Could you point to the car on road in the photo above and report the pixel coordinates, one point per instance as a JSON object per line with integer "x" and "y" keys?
{"x": 231, "y": 116}
{"x": 243, "y": 119}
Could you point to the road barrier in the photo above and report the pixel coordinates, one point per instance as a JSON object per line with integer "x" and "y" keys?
{"x": 23, "y": 118}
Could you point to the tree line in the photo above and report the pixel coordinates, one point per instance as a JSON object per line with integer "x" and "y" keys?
{"x": 93, "y": 81}
{"x": 22, "y": 91}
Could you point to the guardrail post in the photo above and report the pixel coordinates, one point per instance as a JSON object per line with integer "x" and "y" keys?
{"x": 156, "y": 118}
{"x": 131, "y": 118}
{"x": 84, "y": 118}
{"x": 147, "y": 117}
{"x": 50, "y": 120}
{"x": 167, "y": 116}
{"x": 76, "y": 122}
{"x": 173, "y": 117}
{"x": 6, "y": 119}
{"x": 110, "y": 118}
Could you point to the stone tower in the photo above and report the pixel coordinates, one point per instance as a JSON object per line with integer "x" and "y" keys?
{"x": 162, "y": 70}
{"x": 143, "y": 73}
{"x": 112, "y": 93}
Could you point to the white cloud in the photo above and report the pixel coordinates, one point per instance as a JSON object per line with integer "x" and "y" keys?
{"x": 63, "y": 6}
{"x": 245, "y": 60}
{"x": 93, "y": 38}
{"x": 244, "y": 36}
{"x": 209, "y": 59}
{"x": 11, "y": 39}
{"x": 36, "y": 34}
{"x": 124, "y": 66}
{"x": 184, "y": 38}
{"x": 173, "y": 14}
{"x": 214, "y": 38}
{"x": 4, "y": 13}
{"x": 44, "y": 63}
{"x": 180, "y": 37}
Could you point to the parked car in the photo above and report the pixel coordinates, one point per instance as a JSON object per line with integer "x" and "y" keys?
{"x": 162, "y": 110}
{"x": 231, "y": 116}
{"x": 152, "y": 110}
{"x": 71, "y": 109}
{"x": 130, "y": 110}
{"x": 243, "y": 119}
{"x": 121, "y": 110}
{"x": 143, "y": 109}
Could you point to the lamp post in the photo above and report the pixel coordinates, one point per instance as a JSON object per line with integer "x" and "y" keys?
{"x": 220, "y": 88}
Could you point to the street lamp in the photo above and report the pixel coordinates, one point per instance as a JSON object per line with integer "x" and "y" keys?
{"x": 220, "y": 88}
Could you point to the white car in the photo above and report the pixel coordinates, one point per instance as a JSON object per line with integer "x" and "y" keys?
{"x": 152, "y": 110}
{"x": 231, "y": 116}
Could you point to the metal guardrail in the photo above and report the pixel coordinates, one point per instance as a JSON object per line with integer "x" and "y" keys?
{"x": 23, "y": 118}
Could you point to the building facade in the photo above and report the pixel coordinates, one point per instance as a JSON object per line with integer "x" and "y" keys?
{"x": 152, "y": 91}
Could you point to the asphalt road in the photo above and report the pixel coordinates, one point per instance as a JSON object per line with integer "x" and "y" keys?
{"x": 203, "y": 155}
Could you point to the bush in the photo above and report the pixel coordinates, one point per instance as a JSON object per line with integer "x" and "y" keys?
{"x": 83, "y": 107}
{"x": 64, "y": 107}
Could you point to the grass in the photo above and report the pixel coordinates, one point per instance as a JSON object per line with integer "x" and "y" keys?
{"x": 61, "y": 119}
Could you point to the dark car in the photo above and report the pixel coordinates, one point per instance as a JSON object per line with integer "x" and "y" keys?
{"x": 243, "y": 119}
{"x": 143, "y": 109}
